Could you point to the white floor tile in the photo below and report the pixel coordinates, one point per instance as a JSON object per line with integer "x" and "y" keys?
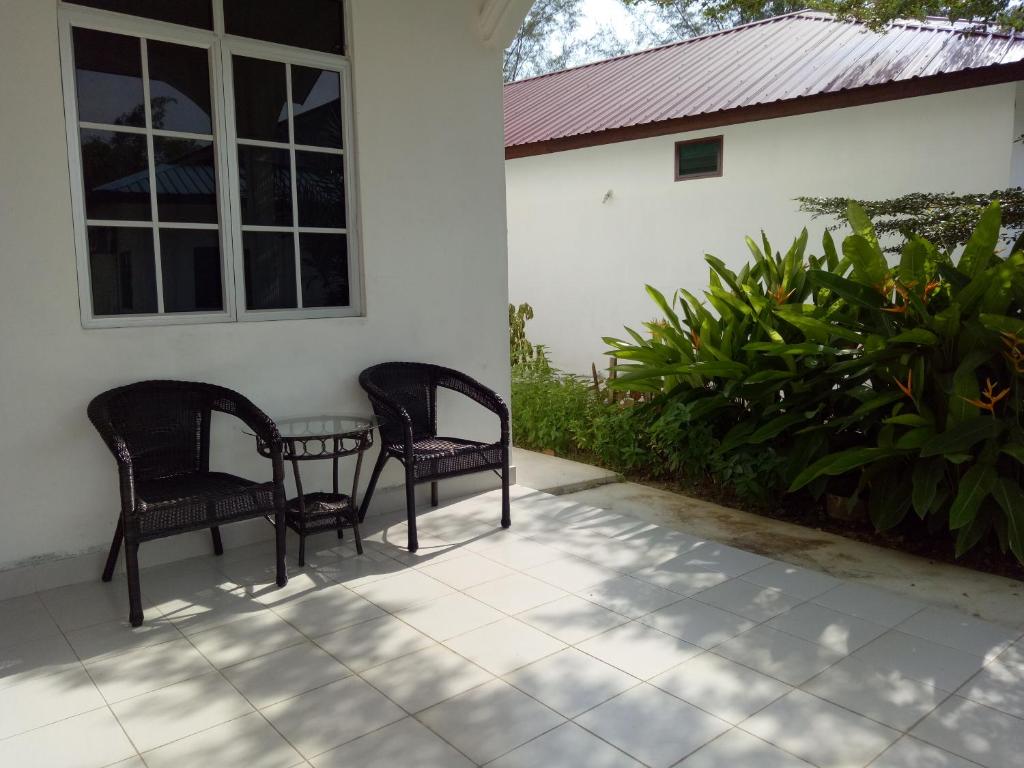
{"x": 999, "y": 686}
{"x": 91, "y": 740}
{"x": 332, "y": 715}
{"x": 285, "y": 673}
{"x": 628, "y": 596}
{"x": 449, "y": 616}
{"x": 975, "y": 732}
{"x": 36, "y": 658}
{"x": 399, "y": 744}
{"x": 516, "y": 593}
{"x": 171, "y": 713}
{"x": 1013, "y": 656}
{"x": 571, "y": 573}
{"x": 571, "y": 682}
{"x": 682, "y": 575}
{"x": 247, "y": 742}
{"x": 792, "y": 579}
{"x": 921, "y": 660}
{"x": 114, "y": 637}
{"x": 639, "y": 650}
{"x": 908, "y": 752}
{"x": 875, "y": 605}
{"x": 778, "y": 655}
{"x": 23, "y": 619}
{"x": 402, "y": 590}
{"x": 147, "y": 669}
{"x": 725, "y": 689}
{"x": 839, "y": 631}
{"x": 516, "y": 552}
{"x": 373, "y": 642}
{"x": 46, "y": 700}
{"x": 738, "y": 748}
{"x": 92, "y": 602}
{"x": 750, "y": 601}
{"x": 960, "y": 631}
{"x": 426, "y": 677}
{"x": 489, "y": 720}
{"x": 566, "y": 745}
{"x": 466, "y": 571}
{"x": 328, "y": 610}
{"x": 505, "y": 645}
{"x": 253, "y": 635}
{"x": 572, "y": 619}
{"x": 654, "y": 727}
{"x": 697, "y": 623}
{"x": 819, "y": 732}
{"x": 888, "y": 697}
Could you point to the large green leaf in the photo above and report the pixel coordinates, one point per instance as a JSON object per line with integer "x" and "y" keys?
{"x": 915, "y": 336}
{"x": 853, "y": 292}
{"x": 889, "y": 499}
{"x": 979, "y": 250}
{"x": 926, "y": 477}
{"x": 868, "y": 262}
{"x": 1010, "y": 498}
{"x": 963, "y": 435}
{"x": 965, "y": 387}
{"x": 975, "y": 485}
{"x": 838, "y": 463}
{"x": 1002, "y": 324}
{"x": 862, "y": 226}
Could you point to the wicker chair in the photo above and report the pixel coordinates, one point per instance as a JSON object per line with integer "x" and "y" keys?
{"x": 404, "y": 398}
{"x": 159, "y": 433}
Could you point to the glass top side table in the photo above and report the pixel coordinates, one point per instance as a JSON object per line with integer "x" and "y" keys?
{"x": 320, "y": 438}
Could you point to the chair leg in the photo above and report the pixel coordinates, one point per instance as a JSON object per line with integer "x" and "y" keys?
{"x": 115, "y": 550}
{"x": 131, "y": 559}
{"x": 282, "y": 533}
{"x": 354, "y": 520}
{"x": 382, "y": 459}
{"x": 218, "y": 545}
{"x": 302, "y": 551}
{"x": 506, "y": 514}
{"x": 433, "y": 494}
{"x": 410, "y": 507}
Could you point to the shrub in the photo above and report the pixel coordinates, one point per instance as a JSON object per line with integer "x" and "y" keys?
{"x": 899, "y": 386}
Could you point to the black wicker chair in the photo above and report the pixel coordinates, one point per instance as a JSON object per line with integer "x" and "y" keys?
{"x": 404, "y": 398}
{"x": 159, "y": 433}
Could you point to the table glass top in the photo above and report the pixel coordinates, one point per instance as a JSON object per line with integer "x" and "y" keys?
{"x": 324, "y": 425}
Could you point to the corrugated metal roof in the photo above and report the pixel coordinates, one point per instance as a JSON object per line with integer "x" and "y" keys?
{"x": 788, "y": 57}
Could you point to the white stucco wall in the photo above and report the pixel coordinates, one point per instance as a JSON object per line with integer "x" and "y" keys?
{"x": 431, "y": 187}
{"x": 582, "y": 262}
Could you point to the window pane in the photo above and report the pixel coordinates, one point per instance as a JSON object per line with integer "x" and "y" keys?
{"x": 321, "y": 189}
{"x": 179, "y": 87}
{"x": 698, "y": 157}
{"x": 186, "y": 180}
{"x": 316, "y": 97}
{"x": 314, "y": 24}
{"x": 122, "y": 271}
{"x": 269, "y": 270}
{"x": 193, "y": 13}
{"x": 261, "y": 100}
{"x": 190, "y": 263}
{"x": 115, "y": 169}
{"x": 324, "y": 270}
{"x": 108, "y": 78}
{"x": 265, "y": 181}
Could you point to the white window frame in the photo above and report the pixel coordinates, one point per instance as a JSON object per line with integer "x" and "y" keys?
{"x": 221, "y": 47}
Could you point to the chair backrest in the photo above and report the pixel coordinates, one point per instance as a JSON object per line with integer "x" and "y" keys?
{"x": 165, "y": 425}
{"x": 411, "y": 386}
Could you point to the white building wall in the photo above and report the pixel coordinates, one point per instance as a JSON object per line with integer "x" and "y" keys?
{"x": 589, "y": 227}
{"x": 431, "y": 187}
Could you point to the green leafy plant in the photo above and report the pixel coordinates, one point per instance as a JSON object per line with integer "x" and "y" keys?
{"x": 898, "y": 386}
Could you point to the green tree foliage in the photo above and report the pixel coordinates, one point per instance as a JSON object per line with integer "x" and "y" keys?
{"x": 943, "y": 218}
{"x": 720, "y": 14}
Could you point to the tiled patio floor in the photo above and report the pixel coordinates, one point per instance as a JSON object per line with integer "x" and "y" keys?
{"x": 577, "y": 638}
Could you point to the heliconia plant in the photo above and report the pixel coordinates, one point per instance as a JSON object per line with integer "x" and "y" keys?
{"x": 894, "y": 385}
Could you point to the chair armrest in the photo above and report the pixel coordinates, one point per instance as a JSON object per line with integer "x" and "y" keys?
{"x": 387, "y": 408}
{"x": 474, "y": 390}
{"x": 99, "y": 415}
{"x": 239, "y": 406}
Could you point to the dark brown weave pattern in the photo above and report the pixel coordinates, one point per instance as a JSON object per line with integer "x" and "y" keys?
{"x": 404, "y": 398}
{"x": 159, "y": 433}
